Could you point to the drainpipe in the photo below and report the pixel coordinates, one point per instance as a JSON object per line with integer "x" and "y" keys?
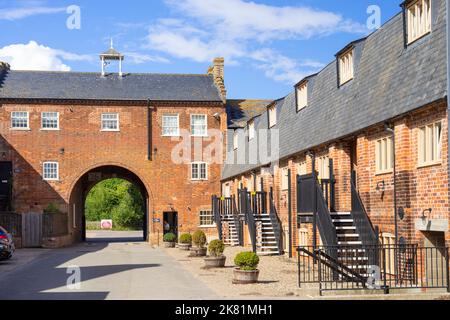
{"x": 149, "y": 132}
{"x": 290, "y": 213}
{"x": 392, "y": 132}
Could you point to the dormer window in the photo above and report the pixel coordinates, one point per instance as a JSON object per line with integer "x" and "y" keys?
{"x": 418, "y": 19}
{"x": 346, "y": 67}
{"x": 251, "y": 130}
{"x": 302, "y": 96}
{"x": 235, "y": 140}
{"x": 272, "y": 116}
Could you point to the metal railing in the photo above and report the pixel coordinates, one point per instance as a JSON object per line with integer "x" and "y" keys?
{"x": 12, "y": 222}
{"x": 398, "y": 267}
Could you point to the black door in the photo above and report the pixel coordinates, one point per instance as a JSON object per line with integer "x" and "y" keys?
{"x": 5, "y": 186}
{"x": 171, "y": 219}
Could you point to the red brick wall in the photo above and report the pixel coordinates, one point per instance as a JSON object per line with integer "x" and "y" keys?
{"x": 86, "y": 147}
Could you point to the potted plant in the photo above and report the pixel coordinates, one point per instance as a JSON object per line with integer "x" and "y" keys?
{"x": 199, "y": 240}
{"x": 216, "y": 258}
{"x": 169, "y": 240}
{"x": 246, "y": 271}
{"x": 185, "y": 242}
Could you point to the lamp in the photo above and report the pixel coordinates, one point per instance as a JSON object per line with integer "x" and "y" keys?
{"x": 424, "y": 216}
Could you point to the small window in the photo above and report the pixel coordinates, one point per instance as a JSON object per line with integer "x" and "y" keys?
{"x": 258, "y": 184}
{"x": 384, "y": 154}
{"x": 206, "y": 218}
{"x": 251, "y": 130}
{"x": 227, "y": 191}
{"x": 285, "y": 179}
{"x": 302, "y": 169}
{"x": 418, "y": 15}
{"x": 50, "y": 120}
{"x": 199, "y": 171}
{"x": 323, "y": 164}
{"x": 346, "y": 67}
{"x": 303, "y": 237}
{"x": 235, "y": 140}
{"x": 430, "y": 144}
{"x": 51, "y": 171}
{"x": 272, "y": 116}
{"x": 20, "y": 120}
{"x": 250, "y": 184}
{"x": 199, "y": 125}
{"x": 171, "y": 125}
{"x": 110, "y": 122}
{"x": 302, "y": 96}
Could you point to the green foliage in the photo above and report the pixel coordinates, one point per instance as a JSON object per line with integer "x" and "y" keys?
{"x": 169, "y": 237}
{"x": 216, "y": 248}
{"x": 247, "y": 261}
{"x": 186, "y": 238}
{"x": 118, "y": 200}
{"x": 52, "y": 208}
{"x": 199, "y": 238}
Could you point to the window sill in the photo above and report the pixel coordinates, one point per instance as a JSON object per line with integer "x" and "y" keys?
{"x": 410, "y": 42}
{"x": 52, "y": 180}
{"x": 171, "y": 136}
{"x": 50, "y": 129}
{"x": 429, "y": 164}
{"x": 199, "y": 136}
{"x": 343, "y": 83}
{"x": 301, "y": 108}
{"x": 382, "y": 173}
{"x": 20, "y": 129}
{"x": 208, "y": 226}
{"x": 199, "y": 180}
{"x": 109, "y": 130}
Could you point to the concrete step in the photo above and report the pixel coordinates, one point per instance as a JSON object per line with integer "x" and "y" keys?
{"x": 342, "y": 220}
{"x": 348, "y": 235}
{"x": 349, "y": 243}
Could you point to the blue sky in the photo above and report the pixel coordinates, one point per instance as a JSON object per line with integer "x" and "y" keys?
{"x": 268, "y": 44}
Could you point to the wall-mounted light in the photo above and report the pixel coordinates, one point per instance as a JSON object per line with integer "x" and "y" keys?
{"x": 62, "y": 151}
{"x": 4, "y": 155}
{"x": 217, "y": 116}
{"x": 381, "y": 186}
{"x": 424, "y": 213}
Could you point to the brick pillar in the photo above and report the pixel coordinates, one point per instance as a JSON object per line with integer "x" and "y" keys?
{"x": 340, "y": 153}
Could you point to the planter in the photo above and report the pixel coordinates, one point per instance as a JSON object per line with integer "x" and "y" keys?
{"x": 169, "y": 244}
{"x": 215, "y": 262}
{"x": 245, "y": 277}
{"x": 184, "y": 246}
{"x": 198, "y": 252}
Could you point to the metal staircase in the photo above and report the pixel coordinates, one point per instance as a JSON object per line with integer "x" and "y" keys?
{"x": 227, "y": 219}
{"x": 230, "y": 231}
{"x": 266, "y": 239}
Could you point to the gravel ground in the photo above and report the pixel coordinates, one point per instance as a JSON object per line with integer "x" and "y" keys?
{"x": 277, "y": 279}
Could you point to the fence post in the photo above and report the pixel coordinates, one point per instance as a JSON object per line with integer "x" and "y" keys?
{"x": 299, "y": 269}
{"x": 447, "y": 262}
{"x": 384, "y": 273}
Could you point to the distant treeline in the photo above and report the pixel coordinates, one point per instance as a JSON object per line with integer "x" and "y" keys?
{"x": 118, "y": 200}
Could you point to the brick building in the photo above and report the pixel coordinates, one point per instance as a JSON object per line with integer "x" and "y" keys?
{"x": 63, "y": 132}
{"x": 379, "y": 112}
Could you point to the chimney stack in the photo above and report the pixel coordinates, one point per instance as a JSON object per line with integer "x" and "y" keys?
{"x": 217, "y": 70}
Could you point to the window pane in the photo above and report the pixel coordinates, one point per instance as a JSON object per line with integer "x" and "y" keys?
{"x": 19, "y": 120}
{"x": 50, "y": 171}
{"x": 171, "y": 125}
{"x": 198, "y": 125}
{"x": 110, "y": 121}
{"x": 50, "y": 120}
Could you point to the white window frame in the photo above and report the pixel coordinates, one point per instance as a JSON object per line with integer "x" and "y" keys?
{"x": 235, "y": 140}
{"x": 206, "y": 214}
{"x": 272, "y": 114}
{"x": 104, "y": 120}
{"x": 197, "y": 176}
{"x": 302, "y": 96}
{"x": 205, "y": 134}
{"x": 44, "y": 175}
{"x": 164, "y": 117}
{"x": 346, "y": 66}
{"x": 323, "y": 164}
{"x": 384, "y": 156}
{"x": 27, "y": 118}
{"x": 430, "y": 144}
{"x": 227, "y": 190}
{"x": 251, "y": 130}
{"x": 43, "y": 117}
{"x": 418, "y": 24}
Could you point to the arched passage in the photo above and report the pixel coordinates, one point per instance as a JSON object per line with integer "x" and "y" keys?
{"x": 91, "y": 178}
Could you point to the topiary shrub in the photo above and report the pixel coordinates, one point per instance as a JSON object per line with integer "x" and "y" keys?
{"x": 169, "y": 237}
{"x": 247, "y": 261}
{"x": 216, "y": 248}
{"x": 186, "y": 238}
{"x": 199, "y": 239}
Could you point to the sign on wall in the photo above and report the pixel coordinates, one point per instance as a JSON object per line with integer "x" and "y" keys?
{"x": 106, "y": 224}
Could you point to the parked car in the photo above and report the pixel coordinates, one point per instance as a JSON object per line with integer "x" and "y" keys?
{"x": 7, "y": 247}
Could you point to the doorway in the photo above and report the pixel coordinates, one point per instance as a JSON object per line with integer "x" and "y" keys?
{"x": 171, "y": 218}
{"x": 5, "y": 186}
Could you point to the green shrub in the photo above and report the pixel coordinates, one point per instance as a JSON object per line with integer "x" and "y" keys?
{"x": 186, "y": 238}
{"x": 52, "y": 208}
{"x": 199, "y": 239}
{"x": 247, "y": 261}
{"x": 170, "y": 237}
{"x": 216, "y": 248}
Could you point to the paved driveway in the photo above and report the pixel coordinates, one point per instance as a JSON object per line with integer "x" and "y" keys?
{"x": 110, "y": 269}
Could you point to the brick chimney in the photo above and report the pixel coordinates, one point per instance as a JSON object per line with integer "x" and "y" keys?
{"x": 217, "y": 71}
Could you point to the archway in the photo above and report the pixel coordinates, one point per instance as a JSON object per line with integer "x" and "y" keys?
{"x": 90, "y": 179}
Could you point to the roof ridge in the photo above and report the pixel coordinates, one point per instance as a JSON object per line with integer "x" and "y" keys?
{"x": 108, "y": 74}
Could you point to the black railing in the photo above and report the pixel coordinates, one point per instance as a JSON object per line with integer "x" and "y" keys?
{"x": 398, "y": 267}
{"x": 55, "y": 225}
{"x": 246, "y": 207}
{"x": 217, "y": 215}
{"x": 237, "y": 220}
{"x": 276, "y": 223}
{"x": 324, "y": 222}
{"x": 12, "y": 222}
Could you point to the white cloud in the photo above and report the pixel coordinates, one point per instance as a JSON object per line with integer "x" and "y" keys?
{"x": 33, "y": 56}
{"x": 25, "y": 12}
{"x": 140, "y": 58}
{"x": 241, "y": 31}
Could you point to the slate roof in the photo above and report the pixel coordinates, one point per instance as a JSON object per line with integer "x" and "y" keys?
{"x": 240, "y": 111}
{"x": 389, "y": 80}
{"x": 92, "y": 86}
